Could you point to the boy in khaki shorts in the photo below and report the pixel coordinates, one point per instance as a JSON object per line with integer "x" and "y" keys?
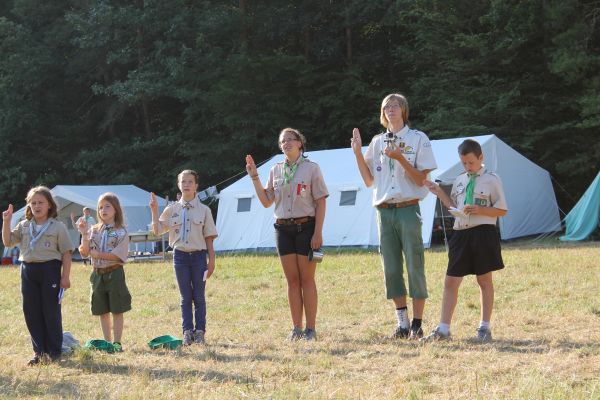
{"x": 475, "y": 245}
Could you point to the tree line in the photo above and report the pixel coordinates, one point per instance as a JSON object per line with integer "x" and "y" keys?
{"x": 115, "y": 91}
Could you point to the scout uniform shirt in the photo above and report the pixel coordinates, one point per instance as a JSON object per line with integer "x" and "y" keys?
{"x": 488, "y": 192}
{"x": 296, "y": 199}
{"x": 109, "y": 239}
{"x": 391, "y": 185}
{"x": 47, "y": 243}
{"x": 199, "y": 225}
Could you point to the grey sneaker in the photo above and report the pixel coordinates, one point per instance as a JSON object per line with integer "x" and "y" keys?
{"x": 435, "y": 336}
{"x": 295, "y": 334}
{"x": 400, "y": 333}
{"x": 484, "y": 335}
{"x": 188, "y": 337}
{"x": 199, "y": 337}
{"x": 309, "y": 334}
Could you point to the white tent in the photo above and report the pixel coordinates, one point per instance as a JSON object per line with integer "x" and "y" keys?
{"x": 350, "y": 220}
{"x": 72, "y": 199}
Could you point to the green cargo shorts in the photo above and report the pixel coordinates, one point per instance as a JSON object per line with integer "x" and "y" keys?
{"x": 400, "y": 232}
{"x": 110, "y": 293}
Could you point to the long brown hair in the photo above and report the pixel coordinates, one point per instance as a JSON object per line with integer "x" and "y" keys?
{"x": 114, "y": 201}
{"x": 44, "y": 191}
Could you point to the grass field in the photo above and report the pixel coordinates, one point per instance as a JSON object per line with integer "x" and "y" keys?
{"x": 546, "y": 328}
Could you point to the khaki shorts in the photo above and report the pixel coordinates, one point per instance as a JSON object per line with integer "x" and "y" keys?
{"x": 110, "y": 293}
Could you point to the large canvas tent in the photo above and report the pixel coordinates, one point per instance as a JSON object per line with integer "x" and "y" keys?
{"x": 350, "y": 220}
{"x": 72, "y": 199}
{"x": 584, "y": 218}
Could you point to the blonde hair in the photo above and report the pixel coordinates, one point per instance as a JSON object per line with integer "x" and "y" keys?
{"x": 298, "y": 135}
{"x": 44, "y": 191}
{"x": 403, "y": 106}
{"x": 188, "y": 172}
{"x": 114, "y": 201}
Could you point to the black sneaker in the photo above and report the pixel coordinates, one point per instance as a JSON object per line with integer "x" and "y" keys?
{"x": 400, "y": 333}
{"x": 295, "y": 334}
{"x": 415, "y": 333}
{"x": 35, "y": 360}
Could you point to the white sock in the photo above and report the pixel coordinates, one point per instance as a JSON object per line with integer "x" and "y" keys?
{"x": 402, "y": 316}
{"x": 444, "y": 329}
{"x": 484, "y": 324}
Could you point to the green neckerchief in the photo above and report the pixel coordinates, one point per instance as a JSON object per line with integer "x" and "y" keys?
{"x": 470, "y": 188}
{"x": 290, "y": 170}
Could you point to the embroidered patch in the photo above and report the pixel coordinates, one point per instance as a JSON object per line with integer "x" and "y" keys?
{"x": 427, "y": 144}
{"x": 480, "y": 202}
{"x": 401, "y": 145}
{"x": 175, "y": 215}
{"x": 47, "y": 245}
{"x": 379, "y": 168}
{"x": 176, "y": 230}
{"x": 409, "y": 150}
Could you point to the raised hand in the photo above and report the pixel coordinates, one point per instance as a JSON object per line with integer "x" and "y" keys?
{"x": 7, "y": 215}
{"x": 251, "y": 166}
{"x": 356, "y": 141}
{"x": 153, "y": 202}
{"x": 81, "y": 226}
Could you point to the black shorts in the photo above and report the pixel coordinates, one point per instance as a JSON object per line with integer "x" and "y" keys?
{"x": 474, "y": 251}
{"x": 294, "y": 239}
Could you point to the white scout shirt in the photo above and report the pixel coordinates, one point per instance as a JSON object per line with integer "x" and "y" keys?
{"x": 488, "y": 192}
{"x": 391, "y": 185}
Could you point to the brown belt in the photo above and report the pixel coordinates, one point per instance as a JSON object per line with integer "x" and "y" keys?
{"x": 102, "y": 271}
{"x": 402, "y": 204}
{"x": 294, "y": 221}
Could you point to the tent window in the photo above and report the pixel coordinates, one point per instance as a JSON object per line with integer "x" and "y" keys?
{"x": 348, "y": 198}
{"x": 244, "y": 204}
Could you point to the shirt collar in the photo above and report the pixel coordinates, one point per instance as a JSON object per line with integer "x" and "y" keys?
{"x": 401, "y": 133}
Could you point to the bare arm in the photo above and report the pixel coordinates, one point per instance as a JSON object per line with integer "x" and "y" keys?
{"x": 261, "y": 193}
{"x": 97, "y": 255}
{"x": 157, "y": 227}
{"x": 317, "y": 239}
{"x": 65, "y": 281}
{"x": 481, "y": 210}
{"x": 365, "y": 173}
{"x": 210, "y": 249}
{"x": 439, "y": 192}
{"x": 415, "y": 175}
{"x": 6, "y": 219}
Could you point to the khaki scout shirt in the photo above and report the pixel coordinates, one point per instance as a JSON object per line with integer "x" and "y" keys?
{"x": 488, "y": 192}
{"x": 297, "y": 198}
{"x": 392, "y": 185}
{"x": 201, "y": 225}
{"x": 117, "y": 243}
{"x": 55, "y": 241}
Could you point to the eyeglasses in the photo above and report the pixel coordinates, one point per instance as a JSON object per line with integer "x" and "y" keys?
{"x": 391, "y": 107}
{"x": 284, "y": 141}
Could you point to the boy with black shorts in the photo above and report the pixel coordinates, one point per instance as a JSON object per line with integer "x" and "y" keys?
{"x": 475, "y": 245}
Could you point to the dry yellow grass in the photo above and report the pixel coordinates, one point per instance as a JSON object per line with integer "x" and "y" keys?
{"x": 546, "y": 327}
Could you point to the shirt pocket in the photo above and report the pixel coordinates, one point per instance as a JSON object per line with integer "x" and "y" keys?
{"x": 481, "y": 196}
{"x": 302, "y": 190}
{"x": 197, "y": 224}
{"x": 277, "y": 189}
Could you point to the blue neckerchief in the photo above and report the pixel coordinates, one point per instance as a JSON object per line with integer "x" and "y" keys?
{"x": 104, "y": 238}
{"x": 35, "y": 238}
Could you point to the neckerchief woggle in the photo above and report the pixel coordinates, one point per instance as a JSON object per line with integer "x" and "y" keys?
{"x": 34, "y": 238}
{"x": 290, "y": 171}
